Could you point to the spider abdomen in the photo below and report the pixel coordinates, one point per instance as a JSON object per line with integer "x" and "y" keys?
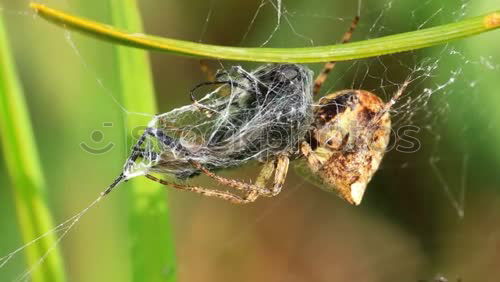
{"x": 350, "y": 137}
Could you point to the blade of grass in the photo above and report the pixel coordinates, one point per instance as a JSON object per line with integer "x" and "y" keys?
{"x": 152, "y": 248}
{"x": 24, "y": 170}
{"x": 356, "y": 50}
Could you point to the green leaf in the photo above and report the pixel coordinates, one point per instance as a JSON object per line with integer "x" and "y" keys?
{"x": 152, "y": 249}
{"x": 23, "y": 165}
{"x": 342, "y": 52}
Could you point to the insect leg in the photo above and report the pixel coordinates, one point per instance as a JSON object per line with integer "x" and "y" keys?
{"x": 321, "y": 78}
{"x": 136, "y": 150}
{"x": 164, "y": 139}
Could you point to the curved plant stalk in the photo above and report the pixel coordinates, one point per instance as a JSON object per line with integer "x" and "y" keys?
{"x": 152, "y": 250}
{"x": 342, "y": 52}
{"x": 23, "y": 165}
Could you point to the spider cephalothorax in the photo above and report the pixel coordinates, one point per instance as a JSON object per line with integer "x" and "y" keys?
{"x": 348, "y": 140}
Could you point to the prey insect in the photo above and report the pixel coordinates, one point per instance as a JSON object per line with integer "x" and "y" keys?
{"x": 260, "y": 115}
{"x": 268, "y": 115}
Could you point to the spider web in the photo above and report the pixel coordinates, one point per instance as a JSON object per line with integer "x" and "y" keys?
{"x": 438, "y": 76}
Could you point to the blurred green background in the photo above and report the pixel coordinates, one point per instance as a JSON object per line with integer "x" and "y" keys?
{"x": 407, "y": 228}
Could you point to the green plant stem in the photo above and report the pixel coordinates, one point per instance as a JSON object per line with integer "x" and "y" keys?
{"x": 152, "y": 249}
{"x": 342, "y": 52}
{"x": 23, "y": 165}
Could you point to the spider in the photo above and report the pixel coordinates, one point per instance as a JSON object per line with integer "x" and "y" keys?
{"x": 343, "y": 146}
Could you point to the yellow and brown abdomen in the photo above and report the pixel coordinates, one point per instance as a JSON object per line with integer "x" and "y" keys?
{"x": 349, "y": 139}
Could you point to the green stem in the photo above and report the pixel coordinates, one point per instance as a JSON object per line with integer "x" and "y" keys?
{"x": 342, "y": 52}
{"x": 152, "y": 249}
{"x": 23, "y": 165}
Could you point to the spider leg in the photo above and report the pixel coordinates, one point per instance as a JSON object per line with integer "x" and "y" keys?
{"x": 312, "y": 159}
{"x": 279, "y": 178}
{"x": 396, "y": 96}
{"x": 236, "y": 184}
{"x": 263, "y": 177}
{"x": 387, "y": 107}
{"x": 265, "y": 174}
{"x": 280, "y": 174}
{"x": 321, "y": 78}
{"x": 280, "y": 169}
{"x": 233, "y": 198}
